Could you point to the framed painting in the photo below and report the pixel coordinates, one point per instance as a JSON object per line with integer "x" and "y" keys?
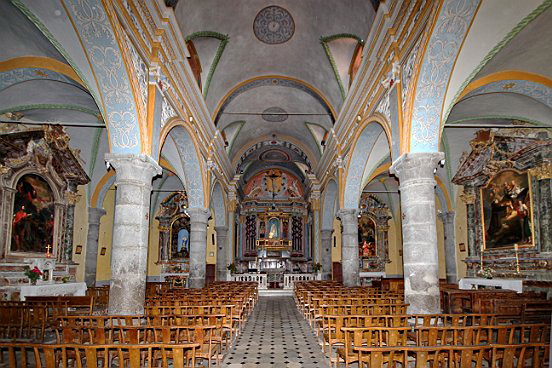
{"x": 367, "y": 236}
{"x": 33, "y": 215}
{"x": 180, "y": 238}
{"x": 507, "y": 210}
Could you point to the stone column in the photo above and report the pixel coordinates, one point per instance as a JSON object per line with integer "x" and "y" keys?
{"x": 129, "y": 254}
{"x": 420, "y": 253}
{"x": 71, "y": 197}
{"x": 222, "y": 248}
{"x": 164, "y": 238}
{"x": 349, "y": 246}
{"x": 91, "y": 258}
{"x": 231, "y": 220}
{"x": 326, "y": 253}
{"x": 198, "y": 246}
{"x": 450, "y": 247}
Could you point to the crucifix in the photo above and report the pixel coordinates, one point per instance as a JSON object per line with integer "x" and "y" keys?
{"x": 48, "y": 254}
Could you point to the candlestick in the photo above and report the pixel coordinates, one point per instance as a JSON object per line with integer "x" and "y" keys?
{"x": 517, "y": 258}
{"x": 481, "y": 260}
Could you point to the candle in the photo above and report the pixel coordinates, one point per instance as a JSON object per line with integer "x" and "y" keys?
{"x": 517, "y": 257}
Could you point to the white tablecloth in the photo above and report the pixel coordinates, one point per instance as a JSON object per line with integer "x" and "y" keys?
{"x": 507, "y": 284}
{"x": 70, "y": 288}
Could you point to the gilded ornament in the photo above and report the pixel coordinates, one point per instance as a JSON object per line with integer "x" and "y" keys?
{"x": 467, "y": 197}
{"x": 71, "y": 197}
{"x": 541, "y": 172}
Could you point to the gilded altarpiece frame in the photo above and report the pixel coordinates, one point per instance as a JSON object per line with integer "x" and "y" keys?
{"x": 512, "y": 168}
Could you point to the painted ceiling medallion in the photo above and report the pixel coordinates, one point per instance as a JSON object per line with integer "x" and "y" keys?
{"x": 274, "y": 155}
{"x": 275, "y": 114}
{"x": 273, "y": 25}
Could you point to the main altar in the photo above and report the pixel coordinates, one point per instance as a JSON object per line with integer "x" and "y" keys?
{"x": 274, "y": 227}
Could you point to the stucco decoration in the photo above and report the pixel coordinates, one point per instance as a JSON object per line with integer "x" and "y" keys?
{"x": 274, "y": 25}
{"x": 275, "y": 114}
{"x": 328, "y": 207}
{"x": 94, "y": 27}
{"x": 217, "y": 202}
{"x": 450, "y": 29}
{"x": 192, "y": 167}
{"x": 14, "y": 76}
{"x": 359, "y": 157}
{"x": 534, "y": 90}
{"x": 167, "y": 112}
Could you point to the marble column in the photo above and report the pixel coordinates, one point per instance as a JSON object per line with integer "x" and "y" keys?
{"x": 164, "y": 238}
{"x": 222, "y": 248}
{"x": 545, "y": 213}
{"x": 450, "y": 247}
{"x": 198, "y": 246}
{"x": 349, "y": 246}
{"x": 91, "y": 258}
{"x": 326, "y": 253}
{"x": 71, "y": 198}
{"x": 129, "y": 254}
{"x": 420, "y": 253}
{"x": 468, "y": 197}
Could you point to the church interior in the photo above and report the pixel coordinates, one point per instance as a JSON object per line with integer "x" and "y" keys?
{"x": 292, "y": 184}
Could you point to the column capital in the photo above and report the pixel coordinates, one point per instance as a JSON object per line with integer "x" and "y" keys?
{"x": 446, "y": 217}
{"x": 346, "y": 214}
{"x": 199, "y": 215}
{"x": 417, "y": 165}
{"x": 133, "y": 167}
{"x": 95, "y": 214}
{"x": 326, "y": 232}
{"x": 221, "y": 229}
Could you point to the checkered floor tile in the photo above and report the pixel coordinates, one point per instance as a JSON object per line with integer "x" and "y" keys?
{"x": 276, "y": 335}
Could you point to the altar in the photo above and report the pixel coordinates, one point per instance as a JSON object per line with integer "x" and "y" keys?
{"x": 47, "y": 289}
{"x": 507, "y": 284}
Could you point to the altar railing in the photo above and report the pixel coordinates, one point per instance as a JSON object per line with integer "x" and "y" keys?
{"x": 291, "y": 278}
{"x": 260, "y": 278}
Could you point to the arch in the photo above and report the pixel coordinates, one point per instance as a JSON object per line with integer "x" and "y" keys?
{"x": 191, "y": 161}
{"x": 96, "y": 49}
{"x": 360, "y": 152}
{"x": 505, "y": 75}
{"x": 272, "y": 80}
{"x": 40, "y": 62}
{"x": 218, "y": 204}
{"x": 101, "y": 189}
{"x": 440, "y": 54}
{"x": 329, "y": 205}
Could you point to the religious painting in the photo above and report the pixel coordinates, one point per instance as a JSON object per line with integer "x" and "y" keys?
{"x": 274, "y": 228}
{"x": 367, "y": 236}
{"x": 33, "y": 216}
{"x": 274, "y": 184}
{"x": 180, "y": 238}
{"x": 507, "y": 210}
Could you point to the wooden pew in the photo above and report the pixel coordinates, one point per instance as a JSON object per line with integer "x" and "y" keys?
{"x": 96, "y": 356}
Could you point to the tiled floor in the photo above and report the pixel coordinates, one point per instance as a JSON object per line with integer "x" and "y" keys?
{"x": 276, "y": 335}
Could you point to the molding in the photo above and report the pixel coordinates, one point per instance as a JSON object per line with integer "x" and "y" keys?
{"x": 50, "y": 106}
{"x": 325, "y": 40}
{"x": 218, "y": 54}
{"x": 495, "y": 50}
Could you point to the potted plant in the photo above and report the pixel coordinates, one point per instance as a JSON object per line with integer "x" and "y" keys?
{"x": 232, "y": 268}
{"x": 33, "y": 274}
{"x": 486, "y": 272}
{"x": 316, "y": 267}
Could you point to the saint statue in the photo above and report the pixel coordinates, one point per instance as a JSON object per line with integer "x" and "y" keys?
{"x": 273, "y": 232}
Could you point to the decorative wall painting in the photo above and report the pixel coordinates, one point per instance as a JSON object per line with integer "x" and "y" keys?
{"x": 507, "y": 210}
{"x": 33, "y": 215}
{"x": 367, "y": 236}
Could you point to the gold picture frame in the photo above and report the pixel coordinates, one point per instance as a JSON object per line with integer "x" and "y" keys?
{"x": 507, "y": 211}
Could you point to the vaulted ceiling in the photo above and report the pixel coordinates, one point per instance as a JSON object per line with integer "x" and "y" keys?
{"x": 275, "y": 71}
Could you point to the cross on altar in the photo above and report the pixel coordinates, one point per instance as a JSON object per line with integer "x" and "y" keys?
{"x": 48, "y": 254}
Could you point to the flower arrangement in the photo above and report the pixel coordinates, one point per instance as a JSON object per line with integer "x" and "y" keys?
{"x": 65, "y": 279}
{"x": 316, "y": 267}
{"x": 33, "y": 274}
{"x": 232, "y": 268}
{"x": 486, "y": 272}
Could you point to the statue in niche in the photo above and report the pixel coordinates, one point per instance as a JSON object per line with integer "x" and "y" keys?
{"x": 33, "y": 215}
{"x": 274, "y": 228}
{"x": 507, "y": 210}
{"x": 180, "y": 238}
